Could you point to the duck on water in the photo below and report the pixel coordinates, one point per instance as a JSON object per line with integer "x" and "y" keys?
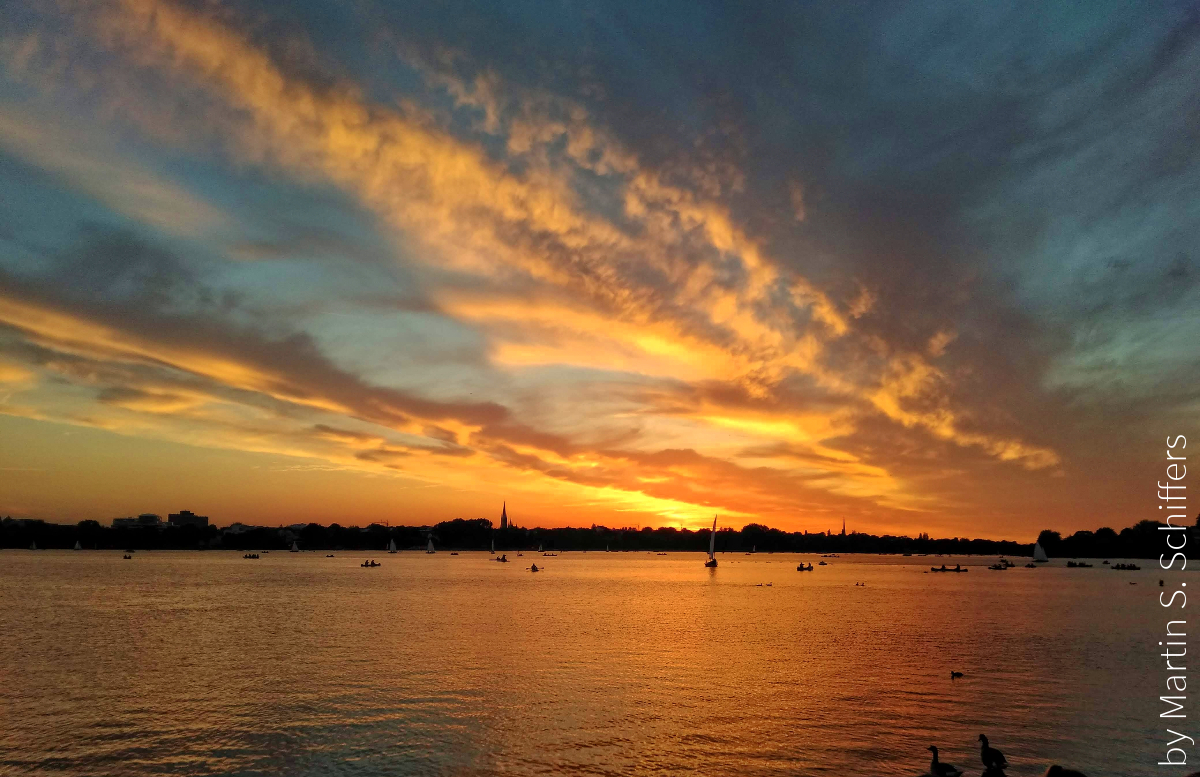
{"x": 938, "y": 769}
{"x": 992, "y": 758}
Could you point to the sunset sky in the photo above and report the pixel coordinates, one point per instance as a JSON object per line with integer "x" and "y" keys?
{"x": 921, "y": 267}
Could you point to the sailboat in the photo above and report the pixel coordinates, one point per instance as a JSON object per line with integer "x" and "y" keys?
{"x": 78, "y": 546}
{"x": 33, "y": 546}
{"x": 391, "y": 546}
{"x": 539, "y": 547}
{"x": 712, "y": 545}
{"x": 493, "y": 546}
{"x": 295, "y": 547}
{"x": 429, "y": 547}
{"x": 1039, "y": 554}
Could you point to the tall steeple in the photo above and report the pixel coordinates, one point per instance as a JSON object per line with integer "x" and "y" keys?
{"x": 843, "y": 527}
{"x": 504, "y": 516}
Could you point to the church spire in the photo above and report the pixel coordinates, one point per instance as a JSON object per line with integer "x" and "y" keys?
{"x": 504, "y": 516}
{"x": 843, "y": 527}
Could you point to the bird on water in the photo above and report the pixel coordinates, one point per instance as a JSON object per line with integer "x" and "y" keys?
{"x": 955, "y": 675}
{"x": 940, "y": 769}
{"x": 992, "y": 758}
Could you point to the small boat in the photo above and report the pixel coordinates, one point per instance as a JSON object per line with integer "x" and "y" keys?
{"x": 534, "y": 568}
{"x": 33, "y": 546}
{"x": 391, "y": 546}
{"x": 1078, "y": 565}
{"x": 78, "y": 546}
{"x": 493, "y": 546}
{"x": 1105, "y": 561}
{"x": 712, "y": 546}
{"x": 329, "y": 555}
{"x": 539, "y": 547}
{"x": 1039, "y": 553}
{"x": 295, "y": 547}
{"x": 250, "y": 555}
{"x": 822, "y": 564}
{"x": 454, "y": 553}
{"x": 429, "y": 547}
{"x": 1126, "y": 567}
{"x": 998, "y": 567}
{"x": 1031, "y": 565}
{"x": 127, "y": 556}
{"x": 944, "y": 568}
{"x": 502, "y": 559}
{"x": 802, "y": 568}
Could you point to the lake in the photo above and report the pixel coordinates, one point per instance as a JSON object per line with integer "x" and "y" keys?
{"x": 604, "y": 663}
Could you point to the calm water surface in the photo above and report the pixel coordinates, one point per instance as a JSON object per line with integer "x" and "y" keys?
{"x": 607, "y": 664}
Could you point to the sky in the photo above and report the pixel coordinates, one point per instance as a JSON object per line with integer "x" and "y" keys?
{"x": 921, "y": 267}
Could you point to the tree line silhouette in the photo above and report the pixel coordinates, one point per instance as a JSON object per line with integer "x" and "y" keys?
{"x": 1143, "y": 540}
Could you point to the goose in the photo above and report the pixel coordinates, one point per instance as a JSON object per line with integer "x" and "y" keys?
{"x": 955, "y": 675}
{"x": 1058, "y": 771}
{"x": 942, "y": 770}
{"x": 992, "y": 758}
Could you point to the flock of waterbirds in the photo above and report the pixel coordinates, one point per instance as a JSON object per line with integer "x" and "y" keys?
{"x": 994, "y": 764}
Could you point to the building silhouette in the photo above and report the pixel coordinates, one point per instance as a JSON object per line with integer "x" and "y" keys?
{"x": 504, "y": 516}
{"x": 188, "y": 518}
{"x": 145, "y": 519}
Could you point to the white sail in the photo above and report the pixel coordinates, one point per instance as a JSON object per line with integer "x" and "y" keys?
{"x": 429, "y": 547}
{"x": 493, "y": 546}
{"x": 295, "y": 547}
{"x": 33, "y": 546}
{"x": 1039, "y": 553}
{"x": 539, "y": 547}
{"x": 391, "y": 546}
{"x": 78, "y": 546}
{"x": 712, "y": 538}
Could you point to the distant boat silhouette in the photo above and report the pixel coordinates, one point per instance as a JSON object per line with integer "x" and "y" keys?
{"x": 493, "y": 546}
{"x": 712, "y": 546}
{"x": 391, "y": 546}
{"x": 78, "y": 546}
{"x": 429, "y": 547}
{"x": 1039, "y": 554}
{"x": 940, "y": 769}
{"x": 295, "y": 547}
{"x": 539, "y": 547}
